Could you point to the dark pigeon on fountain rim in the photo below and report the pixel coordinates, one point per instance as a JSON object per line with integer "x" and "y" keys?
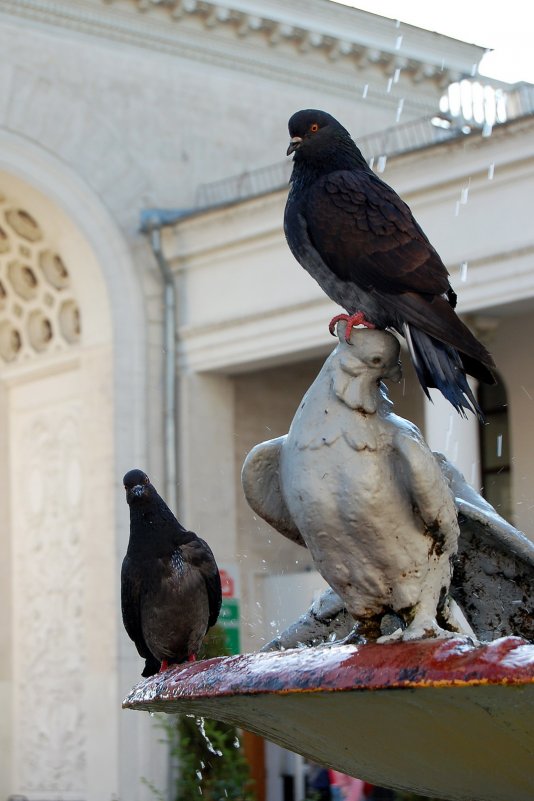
{"x": 170, "y": 583}
{"x": 361, "y": 243}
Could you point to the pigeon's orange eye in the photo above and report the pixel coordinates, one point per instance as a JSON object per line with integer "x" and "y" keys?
{"x": 314, "y": 127}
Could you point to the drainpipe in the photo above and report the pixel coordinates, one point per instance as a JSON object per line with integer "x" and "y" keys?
{"x": 152, "y": 221}
{"x": 169, "y": 349}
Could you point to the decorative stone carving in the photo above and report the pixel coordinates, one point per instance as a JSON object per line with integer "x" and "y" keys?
{"x": 48, "y": 595}
{"x": 39, "y": 311}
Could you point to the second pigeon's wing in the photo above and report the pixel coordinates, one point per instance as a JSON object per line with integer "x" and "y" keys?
{"x": 131, "y": 589}
{"x": 366, "y": 234}
{"x": 260, "y": 478}
{"x": 198, "y": 554}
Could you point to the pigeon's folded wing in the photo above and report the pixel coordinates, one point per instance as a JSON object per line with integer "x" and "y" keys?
{"x": 131, "y": 607}
{"x": 198, "y": 554}
{"x": 260, "y": 478}
{"x": 366, "y": 234}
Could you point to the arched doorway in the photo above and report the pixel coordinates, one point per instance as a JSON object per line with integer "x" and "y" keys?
{"x": 58, "y": 608}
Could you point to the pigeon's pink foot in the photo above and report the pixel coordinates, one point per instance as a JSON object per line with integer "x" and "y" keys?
{"x": 164, "y": 665}
{"x": 192, "y": 658}
{"x": 352, "y": 320}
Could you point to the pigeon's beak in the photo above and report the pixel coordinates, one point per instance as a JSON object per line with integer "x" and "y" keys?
{"x": 294, "y": 143}
{"x": 138, "y": 490}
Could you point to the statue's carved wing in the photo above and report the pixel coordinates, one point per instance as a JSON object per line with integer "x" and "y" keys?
{"x": 493, "y": 578}
{"x": 260, "y": 478}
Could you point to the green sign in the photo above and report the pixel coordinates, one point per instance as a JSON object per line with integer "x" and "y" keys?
{"x": 229, "y": 620}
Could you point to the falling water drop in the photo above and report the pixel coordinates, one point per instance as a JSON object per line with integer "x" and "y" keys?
{"x": 487, "y": 129}
{"x": 464, "y": 194}
{"x": 390, "y": 85}
{"x": 396, "y": 75}
{"x": 398, "y": 42}
{"x": 448, "y": 434}
{"x": 236, "y": 742}
{"x": 381, "y": 163}
{"x": 199, "y": 775}
{"x": 202, "y": 729}
{"x": 365, "y": 90}
{"x": 499, "y": 446}
{"x": 463, "y": 271}
{"x": 399, "y": 109}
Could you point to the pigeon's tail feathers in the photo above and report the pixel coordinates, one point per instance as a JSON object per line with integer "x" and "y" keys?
{"x": 439, "y": 365}
{"x": 152, "y": 666}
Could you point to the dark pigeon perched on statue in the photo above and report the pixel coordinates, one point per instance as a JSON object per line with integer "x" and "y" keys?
{"x": 170, "y": 583}
{"x": 361, "y": 243}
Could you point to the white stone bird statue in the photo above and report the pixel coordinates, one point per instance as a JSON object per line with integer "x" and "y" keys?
{"x": 360, "y": 488}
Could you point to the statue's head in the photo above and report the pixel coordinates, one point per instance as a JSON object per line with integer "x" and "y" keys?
{"x": 371, "y": 352}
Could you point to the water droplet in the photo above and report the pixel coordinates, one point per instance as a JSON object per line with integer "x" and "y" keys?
{"x": 236, "y": 743}
{"x": 365, "y": 90}
{"x": 487, "y": 129}
{"x": 399, "y": 109}
{"x": 199, "y": 775}
{"x": 464, "y": 194}
{"x": 398, "y": 42}
{"x": 396, "y": 75}
{"x": 499, "y": 446}
{"x": 463, "y": 271}
{"x": 371, "y": 161}
{"x": 201, "y": 727}
{"x": 397, "y": 23}
{"x": 390, "y": 85}
{"x": 381, "y": 163}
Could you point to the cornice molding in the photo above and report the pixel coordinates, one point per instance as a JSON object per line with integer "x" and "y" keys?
{"x": 269, "y": 38}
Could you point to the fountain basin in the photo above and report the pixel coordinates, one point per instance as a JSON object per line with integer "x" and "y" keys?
{"x": 436, "y": 717}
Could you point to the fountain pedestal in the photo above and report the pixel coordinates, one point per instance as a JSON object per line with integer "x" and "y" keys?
{"x": 405, "y": 542}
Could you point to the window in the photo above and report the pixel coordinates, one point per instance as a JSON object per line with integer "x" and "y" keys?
{"x": 495, "y": 458}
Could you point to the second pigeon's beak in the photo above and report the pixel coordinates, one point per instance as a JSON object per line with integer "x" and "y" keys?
{"x": 294, "y": 143}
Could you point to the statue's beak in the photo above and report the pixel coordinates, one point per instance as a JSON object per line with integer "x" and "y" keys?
{"x": 294, "y": 143}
